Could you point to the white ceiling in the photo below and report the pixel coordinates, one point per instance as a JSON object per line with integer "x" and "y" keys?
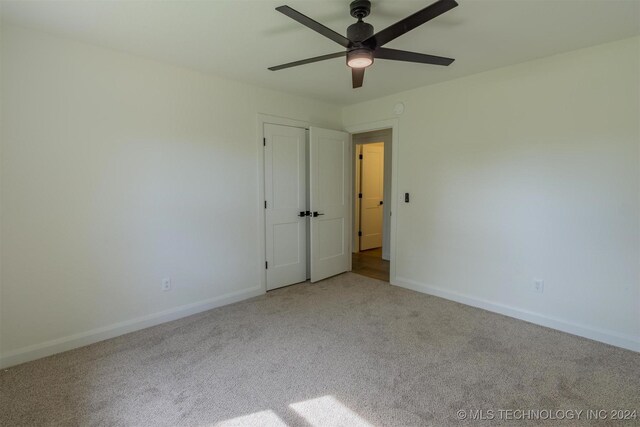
{"x": 239, "y": 39}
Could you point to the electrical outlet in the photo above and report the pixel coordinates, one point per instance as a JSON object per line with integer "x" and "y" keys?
{"x": 166, "y": 284}
{"x": 538, "y": 286}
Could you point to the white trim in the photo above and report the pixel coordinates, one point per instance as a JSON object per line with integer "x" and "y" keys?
{"x": 261, "y": 119}
{"x": 81, "y": 339}
{"x": 371, "y": 138}
{"x": 351, "y": 196}
{"x": 394, "y": 125}
{"x": 356, "y": 175}
{"x": 597, "y": 334}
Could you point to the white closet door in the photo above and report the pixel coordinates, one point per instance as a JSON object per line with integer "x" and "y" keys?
{"x": 330, "y": 174}
{"x": 285, "y": 194}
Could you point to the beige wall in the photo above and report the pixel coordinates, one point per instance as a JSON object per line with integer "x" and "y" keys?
{"x": 116, "y": 172}
{"x": 522, "y": 173}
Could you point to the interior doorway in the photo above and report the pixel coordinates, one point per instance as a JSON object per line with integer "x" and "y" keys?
{"x": 372, "y": 190}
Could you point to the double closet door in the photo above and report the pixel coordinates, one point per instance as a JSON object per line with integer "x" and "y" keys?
{"x": 307, "y": 204}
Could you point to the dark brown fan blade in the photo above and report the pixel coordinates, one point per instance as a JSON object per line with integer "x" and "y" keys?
{"x": 410, "y": 22}
{"x": 308, "y": 61}
{"x": 403, "y": 55}
{"x": 357, "y": 77}
{"x": 315, "y": 26}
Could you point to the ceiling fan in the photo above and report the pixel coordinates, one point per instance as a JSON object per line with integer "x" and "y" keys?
{"x": 362, "y": 45}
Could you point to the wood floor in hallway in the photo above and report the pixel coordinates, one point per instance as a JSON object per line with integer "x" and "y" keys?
{"x": 370, "y": 263}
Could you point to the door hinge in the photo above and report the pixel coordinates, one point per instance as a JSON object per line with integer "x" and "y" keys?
{"x": 360, "y": 156}
{"x": 359, "y": 233}
{"x": 265, "y": 204}
{"x": 266, "y": 265}
{"x": 264, "y": 142}
{"x": 359, "y": 195}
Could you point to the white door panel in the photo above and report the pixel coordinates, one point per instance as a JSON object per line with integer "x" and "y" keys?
{"x": 285, "y": 196}
{"x": 330, "y": 172}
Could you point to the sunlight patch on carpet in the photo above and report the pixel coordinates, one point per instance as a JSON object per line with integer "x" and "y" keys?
{"x": 328, "y": 411}
{"x": 262, "y": 418}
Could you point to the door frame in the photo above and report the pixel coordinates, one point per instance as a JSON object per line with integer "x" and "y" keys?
{"x": 394, "y": 125}
{"x": 263, "y": 119}
{"x": 355, "y": 245}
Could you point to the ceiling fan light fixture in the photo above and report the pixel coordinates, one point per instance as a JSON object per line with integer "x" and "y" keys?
{"x": 362, "y": 45}
{"x": 359, "y": 58}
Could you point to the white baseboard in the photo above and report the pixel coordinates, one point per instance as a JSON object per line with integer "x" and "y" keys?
{"x": 70, "y": 342}
{"x": 606, "y": 336}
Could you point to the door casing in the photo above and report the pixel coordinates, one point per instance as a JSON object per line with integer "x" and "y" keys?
{"x": 362, "y": 139}
{"x": 394, "y": 125}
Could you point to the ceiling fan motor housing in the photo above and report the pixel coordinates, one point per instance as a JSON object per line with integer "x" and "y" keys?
{"x": 359, "y": 31}
{"x": 359, "y": 52}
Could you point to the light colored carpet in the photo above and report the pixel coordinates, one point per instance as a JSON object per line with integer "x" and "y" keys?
{"x": 349, "y": 350}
